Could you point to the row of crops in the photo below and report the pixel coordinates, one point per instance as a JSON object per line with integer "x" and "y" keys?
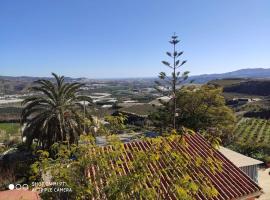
{"x": 252, "y": 138}
{"x": 253, "y": 131}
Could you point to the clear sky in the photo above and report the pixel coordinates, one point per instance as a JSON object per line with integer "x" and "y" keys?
{"x": 129, "y": 38}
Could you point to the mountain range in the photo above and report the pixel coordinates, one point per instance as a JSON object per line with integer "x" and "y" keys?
{"x": 203, "y": 78}
{"x": 242, "y": 73}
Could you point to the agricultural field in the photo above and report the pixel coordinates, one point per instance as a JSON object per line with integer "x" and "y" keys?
{"x": 253, "y": 131}
{"x": 10, "y": 113}
{"x": 9, "y": 131}
{"x": 252, "y": 138}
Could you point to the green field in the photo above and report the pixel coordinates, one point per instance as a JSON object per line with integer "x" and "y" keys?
{"x": 9, "y": 131}
{"x": 252, "y": 138}
{"x": 10, "y": 128}
{"x": 253, "y": 131}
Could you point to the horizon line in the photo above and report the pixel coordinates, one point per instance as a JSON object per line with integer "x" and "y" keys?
{"x": 115, "y": 78}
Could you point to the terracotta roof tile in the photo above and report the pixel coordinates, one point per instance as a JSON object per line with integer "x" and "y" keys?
{"x": 231, "y": 182}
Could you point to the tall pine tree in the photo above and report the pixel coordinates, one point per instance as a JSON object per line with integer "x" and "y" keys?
{"x": 175, "y": 80}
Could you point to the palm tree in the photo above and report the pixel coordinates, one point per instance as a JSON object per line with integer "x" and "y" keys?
{"x": 54, "y": 114}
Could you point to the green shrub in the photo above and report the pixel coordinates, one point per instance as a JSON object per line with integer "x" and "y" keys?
{"x": 267, "y": 159}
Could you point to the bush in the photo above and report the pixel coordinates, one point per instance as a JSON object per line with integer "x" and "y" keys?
{"x": 267, "y": 159}
{"x": 3, "y": 149}
{"x": 14, "y": 167}
{"x": 256, "y": 151}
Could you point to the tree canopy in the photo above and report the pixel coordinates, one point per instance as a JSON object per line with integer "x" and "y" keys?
{"x": 200, "y": 108}
{"x": 54, "y": 114}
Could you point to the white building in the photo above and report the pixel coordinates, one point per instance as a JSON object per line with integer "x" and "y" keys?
{"x": 248, "y": 165}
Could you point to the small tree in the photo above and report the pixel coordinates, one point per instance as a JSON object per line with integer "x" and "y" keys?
{"x": 175, "y": 79}
{"x": 202, "y": 109}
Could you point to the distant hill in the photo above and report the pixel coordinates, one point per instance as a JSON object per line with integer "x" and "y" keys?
{"x": 11, "y": 84}
{"x": 242, "y": 73}
{"x": 244, "y": 86}
{"x": 20, "y": 84}
{"x": 32, "y": 78}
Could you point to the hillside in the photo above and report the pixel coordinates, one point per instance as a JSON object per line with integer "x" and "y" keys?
{"x": 242, "y": 73}
{"x": 15, "y": 85}
{"x": 20, "y": 84}
{"x": 256, "y": 87}
{"x": 203, "y": 78}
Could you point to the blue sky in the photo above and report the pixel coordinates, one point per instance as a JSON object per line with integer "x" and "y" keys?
{"x": 129, "y": 38}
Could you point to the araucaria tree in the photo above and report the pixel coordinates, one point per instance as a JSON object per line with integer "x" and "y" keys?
{"x": 173, "y": 81}
{"x": 54, "y": 114}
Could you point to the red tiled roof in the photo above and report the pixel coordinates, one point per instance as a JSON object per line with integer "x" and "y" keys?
{"x": 231, "y": 183}
{"x": 19, "y": 195}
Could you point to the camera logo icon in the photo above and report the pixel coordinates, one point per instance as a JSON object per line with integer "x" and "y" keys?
{"x": 11, "y": 186}
{"x": 18, "y": 187}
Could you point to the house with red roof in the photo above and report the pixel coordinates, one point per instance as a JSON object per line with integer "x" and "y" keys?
{"x": 231, "y": 182}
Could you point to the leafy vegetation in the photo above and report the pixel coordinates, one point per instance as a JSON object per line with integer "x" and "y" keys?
{"x": 55, "y": 113}
{"x": 201, "y": 109}
{"x": 14, "y": 166}
{"x": 107, "y": 164}
{"x": 253, "y": 130}
{"x": 252, "y": 138}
